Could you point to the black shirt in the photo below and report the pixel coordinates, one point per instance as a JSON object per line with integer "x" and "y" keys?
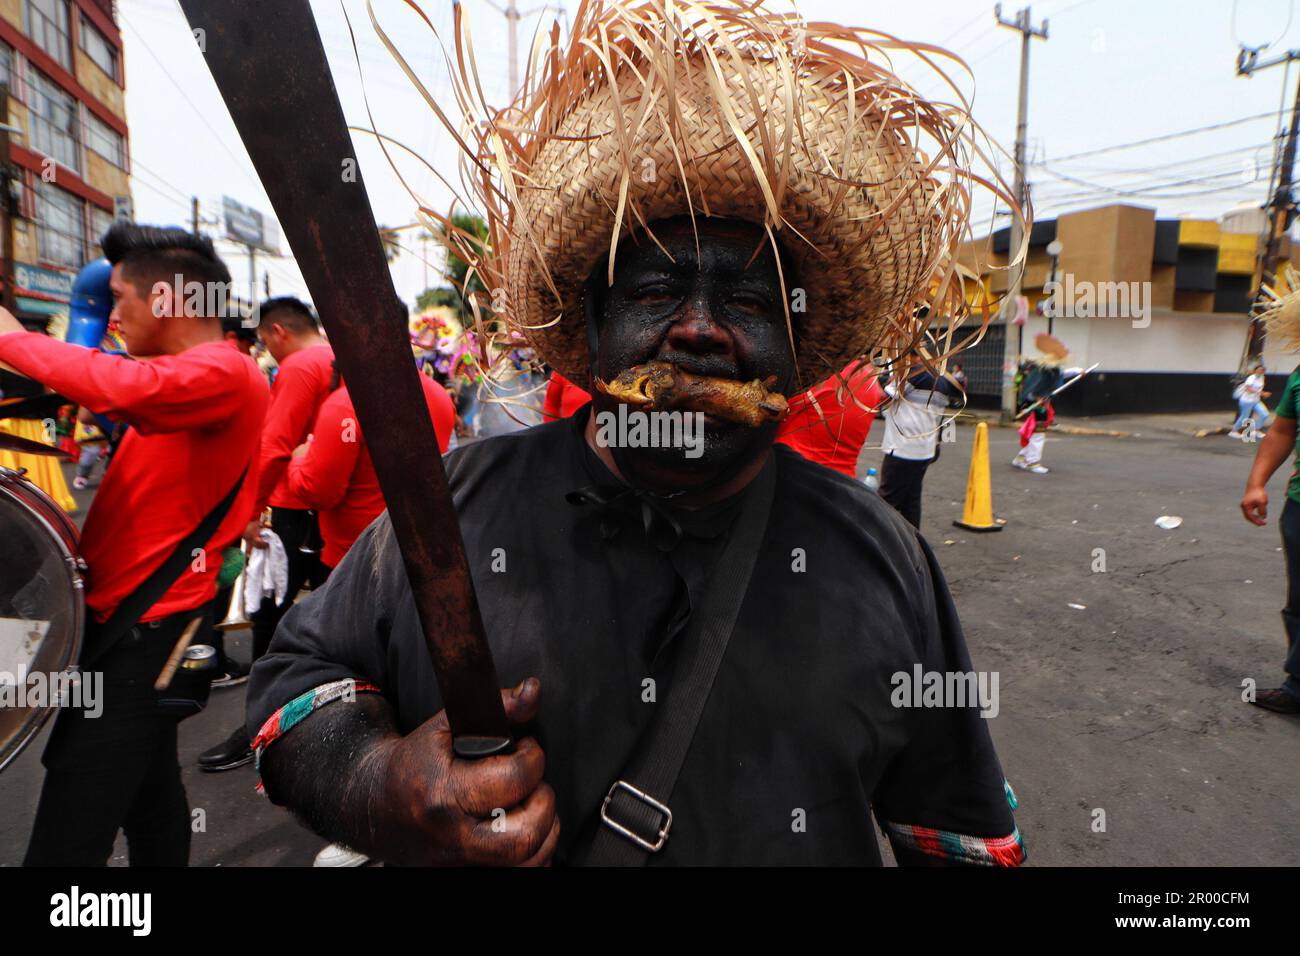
{"x": 798, "y": 739}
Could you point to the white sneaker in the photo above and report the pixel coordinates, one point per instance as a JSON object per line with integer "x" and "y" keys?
{"x": 1038, "y": 469}
{"x": 1234, "y": 434}
{"x": 336, "y": 854}
{"x": 1019, "y": 462}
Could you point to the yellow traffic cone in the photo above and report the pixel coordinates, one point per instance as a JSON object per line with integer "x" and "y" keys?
{"x": 978, "y": 513}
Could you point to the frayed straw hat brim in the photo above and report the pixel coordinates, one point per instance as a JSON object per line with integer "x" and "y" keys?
{"x": 660, "y": 109}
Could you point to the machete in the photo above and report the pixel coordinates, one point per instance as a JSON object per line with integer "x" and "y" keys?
{"x": 270, "y": 66}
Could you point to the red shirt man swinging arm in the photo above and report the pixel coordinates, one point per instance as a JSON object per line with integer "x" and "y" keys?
{"x": 195, "y": 405}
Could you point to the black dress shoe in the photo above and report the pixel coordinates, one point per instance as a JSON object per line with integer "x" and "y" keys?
{"x": 1278, "y": 700}
{"x": 233, "y": 752}
{"x": 232, "y": 674}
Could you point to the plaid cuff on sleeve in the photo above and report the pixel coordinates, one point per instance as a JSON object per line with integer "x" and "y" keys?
{"x": 301, "y": 707}
{"x": 971, "y": 850}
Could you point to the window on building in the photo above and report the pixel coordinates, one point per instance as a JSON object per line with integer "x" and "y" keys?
{"x": 98, "y": 48}
{"x": 53, "y": 120}
{"x": 60, "y": 226}
{"x": 100, "y": 221}
{"x": 47, "y": 25}
{"x": 105, "y": 140}
{"x": 6, "y": 66}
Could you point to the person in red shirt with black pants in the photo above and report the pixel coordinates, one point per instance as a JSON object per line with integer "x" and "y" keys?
{"x": 303, "y": 380}
{"x": 334, "y": 475}
{"x": 195, "y": 406}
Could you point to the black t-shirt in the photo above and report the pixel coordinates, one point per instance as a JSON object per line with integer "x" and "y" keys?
{"x": 799, "y": 738}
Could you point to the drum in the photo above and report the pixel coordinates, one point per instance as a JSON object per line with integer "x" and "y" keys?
{"x": 42, "y": 608}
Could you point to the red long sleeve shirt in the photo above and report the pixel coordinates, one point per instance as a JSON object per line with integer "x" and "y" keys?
{"x": 563, "y": 398}
{"x": 301, "y": 385}
{"x": 195, "y": 423}
{"x": 834, "y": 436}
{"x": 336, "y": 477}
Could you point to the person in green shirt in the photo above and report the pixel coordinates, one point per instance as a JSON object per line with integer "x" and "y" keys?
{"x": 1277, "y": 446}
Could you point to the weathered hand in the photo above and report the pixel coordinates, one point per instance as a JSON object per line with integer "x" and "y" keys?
{"x": 497, "y": 811}
{"x": 1254, "y": 505}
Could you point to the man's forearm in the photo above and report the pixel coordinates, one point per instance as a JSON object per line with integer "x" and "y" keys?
{"x": 330, "y": 771}
{"x": 1276, "y": 447}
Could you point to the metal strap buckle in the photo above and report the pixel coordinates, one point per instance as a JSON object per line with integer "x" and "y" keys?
{"x": 648, "y": 801}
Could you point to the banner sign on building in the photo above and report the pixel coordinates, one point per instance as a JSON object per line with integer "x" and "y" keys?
{"x": 249, "y": 227}
{"x": 46, "y": 283}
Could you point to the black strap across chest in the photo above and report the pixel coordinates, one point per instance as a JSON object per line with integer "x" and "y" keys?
{"x": 636, "y": 816}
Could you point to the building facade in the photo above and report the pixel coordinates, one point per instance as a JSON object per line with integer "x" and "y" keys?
{"x": 69, "y": 160}
{"x": 1162, "y": 304}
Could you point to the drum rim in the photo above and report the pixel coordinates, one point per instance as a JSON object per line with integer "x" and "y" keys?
{"x": 75, "y": 567}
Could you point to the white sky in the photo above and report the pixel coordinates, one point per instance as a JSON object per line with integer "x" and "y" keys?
{"x": 1112, "y": 72}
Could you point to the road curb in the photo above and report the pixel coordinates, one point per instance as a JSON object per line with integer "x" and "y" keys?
{"x": 994, "y": 421}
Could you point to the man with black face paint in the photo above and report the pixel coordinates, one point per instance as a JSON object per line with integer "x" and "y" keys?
{"x": 719, "y": 315}
{"x": 595, "y": 563}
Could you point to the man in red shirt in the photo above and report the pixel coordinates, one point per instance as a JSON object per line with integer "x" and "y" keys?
{"x": 563, "y": 398}
{"x": 304, "y": 378}
{"x": 833, "y": 431}
{"x": 195, "y": 406}
{"x": 333, "y": 473}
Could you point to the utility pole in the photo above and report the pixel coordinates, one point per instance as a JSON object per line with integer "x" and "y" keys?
{"x": 194, "y": 215}
{"x": 513, "y": 15}
{"x": 1281, "y": 205}
{"x": 512, "y": 21}
{"x": 252, "y": 275}
{"x": 1011, "y": 347}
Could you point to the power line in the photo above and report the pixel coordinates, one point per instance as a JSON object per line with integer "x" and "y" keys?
{"x": 1117, "y": 191}
{"x": 241, "y": 163}
{"x": 1165, "y": 137}
{"x": 1154, "y": 170}
{"x": 964, "y": 27}
{"x": 137, "y": 168}
{"x": 164, "y": 195}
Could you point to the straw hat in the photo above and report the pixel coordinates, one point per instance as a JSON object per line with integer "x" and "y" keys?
{"x": 1051, "y": 350}
{"x": 1279, "y": 309}
{"x": 665, "y": 108}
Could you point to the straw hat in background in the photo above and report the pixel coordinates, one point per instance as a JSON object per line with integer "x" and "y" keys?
{"x": 1052, "y": 351}
{"x": 666, "y": 108}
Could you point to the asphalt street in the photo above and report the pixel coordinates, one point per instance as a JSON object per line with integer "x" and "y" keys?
{"x": 1120, "y": 690}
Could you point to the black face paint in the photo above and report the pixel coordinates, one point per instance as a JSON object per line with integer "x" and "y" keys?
{"x": 719, "y": 313}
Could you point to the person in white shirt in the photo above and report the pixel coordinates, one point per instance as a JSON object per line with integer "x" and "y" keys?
{"x": 1250, "y": 395}
{"x": 913, "y": 419}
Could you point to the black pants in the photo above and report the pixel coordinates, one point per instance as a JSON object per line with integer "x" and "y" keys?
{"x": 117, "y": 771}
{"x": 292, "y": 526}
{"x": 1291, "y": 614}
{"x": 900, "y": 485}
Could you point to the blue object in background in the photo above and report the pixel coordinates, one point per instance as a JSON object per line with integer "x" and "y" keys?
{"x": 92, "y": 301}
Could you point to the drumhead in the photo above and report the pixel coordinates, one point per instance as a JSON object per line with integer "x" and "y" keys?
{"x": 42, "y": 609}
